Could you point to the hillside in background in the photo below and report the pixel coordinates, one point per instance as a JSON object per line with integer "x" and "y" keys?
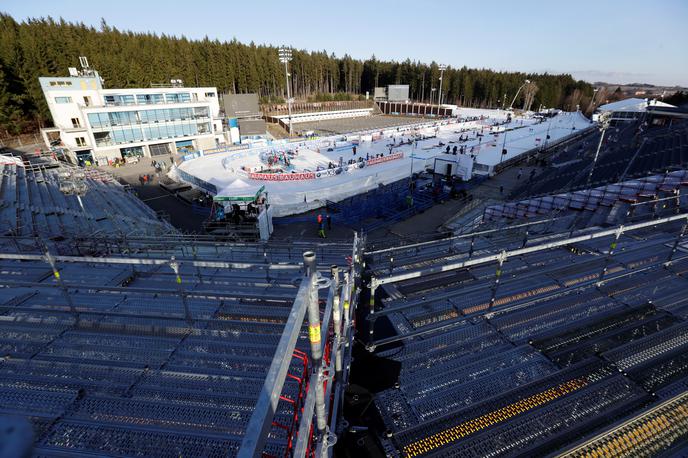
{"x": 47, "y": 47}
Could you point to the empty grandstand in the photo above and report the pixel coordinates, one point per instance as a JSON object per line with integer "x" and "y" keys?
{"x": 606, "y": 204}
{"x": 121, "y": 337}
{"x": 57, "y": 201}
{"x": 629, "y": 151}
{"x": 171, "y": 352}
{"x": 552, "y": 324}
{"x": 521, "y": 347}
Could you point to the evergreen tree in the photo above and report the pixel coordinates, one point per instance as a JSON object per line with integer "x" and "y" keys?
{"x": 46, "y": 47}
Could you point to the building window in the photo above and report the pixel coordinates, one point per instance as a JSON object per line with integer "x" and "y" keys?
{"x": 103, "y": 138}
{"x": 159, "y": 149}
{"x": 80, "y": 141}
{"x": 76, "y": 123}
{"x": 133, "y": 151}
{"x": 99, "y": 120}
{"x": 147, "y": 99}
{"x": 87, "y": 101}
{"x": 179, "y": 97}
{"x": 210, "y": 94}
{"x": 200, "y": 112}
{"x": 127, "y": 135}
{"x": 126, "y": 100}
{"x": 63, "y": 100}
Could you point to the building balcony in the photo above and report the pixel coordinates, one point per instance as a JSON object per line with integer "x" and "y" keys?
{"x": 74, "y": 129}
{"x": 149, "y": 123}
{"x": 147, "y": 104}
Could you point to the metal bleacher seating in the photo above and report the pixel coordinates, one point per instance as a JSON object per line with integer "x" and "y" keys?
{"x": 160, "y": 352}
{"x": 120, "y": 336}
{"x": 628, "y": 152}
{"x": 130, "y": 339}
{"x": 513, "y": 347}
{"x": 654, "y": 194}
{"x": 33, "y": 204}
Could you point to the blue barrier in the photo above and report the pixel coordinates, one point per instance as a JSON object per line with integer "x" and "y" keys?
{"x": 381, "y": 207}
{"x": 209, "y": 187}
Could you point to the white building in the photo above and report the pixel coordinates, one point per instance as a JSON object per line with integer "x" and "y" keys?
{"x": 104, "y": 124}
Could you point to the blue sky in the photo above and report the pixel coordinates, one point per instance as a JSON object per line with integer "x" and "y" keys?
{"x": 601, "y": 40}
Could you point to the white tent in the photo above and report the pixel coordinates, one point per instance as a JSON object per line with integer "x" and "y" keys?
{"x": 239, "y": 190}
{"x": 631, "y": 105}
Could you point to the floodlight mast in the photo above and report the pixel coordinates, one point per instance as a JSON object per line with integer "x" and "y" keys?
{"x": 517, "y": 92}
{"x": 591, "y": 108}
{"x": 285, "y": 57}
{"x": 443, "y": 67}
{"x": 605, "y": 121}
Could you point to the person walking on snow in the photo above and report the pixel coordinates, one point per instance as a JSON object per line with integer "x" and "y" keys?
{"x": 321, "y": 229}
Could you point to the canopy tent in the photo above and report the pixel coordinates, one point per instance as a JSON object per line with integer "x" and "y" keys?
{"x": 632, "y": 104}
{"x": 239, "y": 190}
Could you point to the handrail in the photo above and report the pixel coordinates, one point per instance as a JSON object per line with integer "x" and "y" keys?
{"x": 318, "y": 399}
{"x": 148, "y": 261}
{"x": 260, "y": 422}
{"x": 453, "y": 237}
{"x": 375, "y": 282}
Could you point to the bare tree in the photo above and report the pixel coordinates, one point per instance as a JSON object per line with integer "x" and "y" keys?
{"x": 529, "y": 91}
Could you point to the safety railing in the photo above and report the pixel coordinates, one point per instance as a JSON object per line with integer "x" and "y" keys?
{"x": 500, "y": 258}
{"x": 328, "y": 352}
{"x": 317, "y": 406}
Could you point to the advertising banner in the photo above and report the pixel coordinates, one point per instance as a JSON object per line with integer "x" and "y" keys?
{"x": 328, "y": 172}
{"x": 379, "y": 160}
{"x": 282, "y": 176}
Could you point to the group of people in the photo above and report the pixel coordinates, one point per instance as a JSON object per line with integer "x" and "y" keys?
{"x": 520, "y": 173}
{"x": 457, "y": 149}
{"x": 321, "y": 224}
{"x": 159, "y": 166}
{"x": 278, "y": 158}
{"x": 354, "y": 161}
{"x": 145, "y": 179}
{"x": 117, "y": 162}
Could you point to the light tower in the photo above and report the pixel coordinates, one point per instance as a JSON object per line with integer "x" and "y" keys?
{"x": 439, "y": 98}
{"x": 591, "y": 108}
{"x": 285, "y": 57}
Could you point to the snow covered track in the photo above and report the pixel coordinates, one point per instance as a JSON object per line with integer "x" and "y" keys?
{"x": 300, "y": 176}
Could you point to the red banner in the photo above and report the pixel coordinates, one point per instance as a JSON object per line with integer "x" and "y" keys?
{"x": 378, "y": 160}
{"x": 282, "y": 176}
